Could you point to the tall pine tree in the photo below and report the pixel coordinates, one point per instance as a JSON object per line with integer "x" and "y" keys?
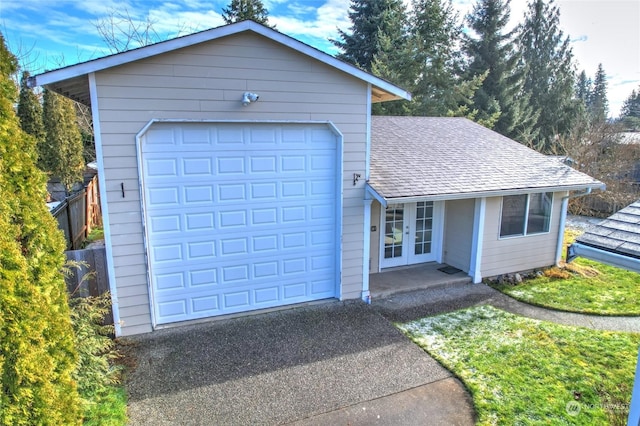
{"x": 491, "y": 50}
{"x": 630, "y": 113}
{"x": 37, "y": 354}
{"x": 377, "y": 26}
{"x": 549, "y": 80}
{"x": 394, "y": 60}
{"x": 61, "y": 153}
{"x": 583, "y": 87}
{"x": 598, "y": 104}
{"x": 440, "y": 89}
{"x": 242, "y": 10}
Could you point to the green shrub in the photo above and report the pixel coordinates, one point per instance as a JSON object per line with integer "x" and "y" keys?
{"x": 104, "y": 402}
{"x": 95, "y": 370}
{"x": 37, "y": 352}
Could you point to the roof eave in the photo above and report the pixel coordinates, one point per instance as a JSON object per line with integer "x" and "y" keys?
{"x": 478, "y": 194}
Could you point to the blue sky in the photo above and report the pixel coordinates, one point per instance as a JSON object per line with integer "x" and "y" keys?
{"x": 46, "y": 34}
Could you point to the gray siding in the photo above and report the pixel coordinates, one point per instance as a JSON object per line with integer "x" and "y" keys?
{"x": 513, "y": 254}
{"x": 374, "y": 254}
{"x": 206, "y": 82}
{"x": 458, "y": 233}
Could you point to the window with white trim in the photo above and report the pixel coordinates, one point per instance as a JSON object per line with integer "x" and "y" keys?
{"x": 526, "y": 214}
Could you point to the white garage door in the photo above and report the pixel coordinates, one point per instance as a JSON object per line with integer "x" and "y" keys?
{"x": 239, "y": 216}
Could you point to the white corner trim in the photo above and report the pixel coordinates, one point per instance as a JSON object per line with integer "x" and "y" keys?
{"x": 477, "y": 240}
{"x": 104, "y": 205}
{"x": 366, "y": 252}
{"x": 561, "y": 227}
{"x": 367, "y": 159}
{"x": 634, "y": 409}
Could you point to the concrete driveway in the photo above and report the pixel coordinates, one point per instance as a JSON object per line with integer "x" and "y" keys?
{"x": 333, "y": 363}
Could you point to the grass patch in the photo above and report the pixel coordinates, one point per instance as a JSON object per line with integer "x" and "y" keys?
{"x": 96, "y": 234}
{"x": 107, "y": 408}
{"x": 581, "y": 286}
{"x": 524, "y": 371}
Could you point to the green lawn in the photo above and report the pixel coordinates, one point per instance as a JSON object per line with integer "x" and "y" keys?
{"x": 108, "y": 408}
{"x": 529, "y": 372}
{"x": 584, "y": 286}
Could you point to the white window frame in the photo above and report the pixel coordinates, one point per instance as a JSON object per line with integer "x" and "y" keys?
{"x": 526, "y": 217}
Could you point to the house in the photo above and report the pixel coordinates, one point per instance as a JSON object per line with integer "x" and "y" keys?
{"x": 242, "y": 170}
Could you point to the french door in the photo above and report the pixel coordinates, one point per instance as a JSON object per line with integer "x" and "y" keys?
{"x": 412, "y": 233}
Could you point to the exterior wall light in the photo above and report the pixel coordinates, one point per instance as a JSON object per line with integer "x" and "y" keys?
{"x": 249, "y": 97}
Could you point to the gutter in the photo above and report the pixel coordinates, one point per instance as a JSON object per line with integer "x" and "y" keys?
{"x": 478, "y": 194}
{"x": 610, "y": 258}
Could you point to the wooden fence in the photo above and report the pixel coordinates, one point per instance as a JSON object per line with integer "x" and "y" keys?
{"x": 90, "y": 279}
{"x": 79, "y": 213}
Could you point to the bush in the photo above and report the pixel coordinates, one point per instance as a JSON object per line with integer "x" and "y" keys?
{"x": 37, "y": 353}
{"x": 95, "y": 370}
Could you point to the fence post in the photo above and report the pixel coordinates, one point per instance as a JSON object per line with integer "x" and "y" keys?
{"x": 634, "y": 407}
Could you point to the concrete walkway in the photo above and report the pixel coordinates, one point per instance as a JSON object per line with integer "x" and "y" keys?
{"x": 409, "y": 306}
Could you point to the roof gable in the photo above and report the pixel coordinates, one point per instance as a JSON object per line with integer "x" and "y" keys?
{"x": 72, "y": 81}
{"x": 452, "y": 157}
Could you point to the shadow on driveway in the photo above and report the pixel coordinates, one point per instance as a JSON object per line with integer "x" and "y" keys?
{"x": 274, "y": 368}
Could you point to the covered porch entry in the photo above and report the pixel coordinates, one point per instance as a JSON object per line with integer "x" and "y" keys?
{"x": 419, "y": 244}
{"x": 415, "y": 277}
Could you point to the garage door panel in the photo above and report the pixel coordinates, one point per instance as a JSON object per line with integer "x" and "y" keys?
{"x": 239, "y": 217}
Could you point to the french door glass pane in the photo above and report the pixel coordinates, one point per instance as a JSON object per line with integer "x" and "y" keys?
{"x": 424, "y": 224}
{"x": 393, "y": 233}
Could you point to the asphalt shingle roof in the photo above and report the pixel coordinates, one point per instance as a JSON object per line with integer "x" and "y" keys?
{"x": 442, "y": 156}
{"x": 619, "y": 233}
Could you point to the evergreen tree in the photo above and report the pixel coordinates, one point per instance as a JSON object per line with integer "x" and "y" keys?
{"x": 583, "y": 88}
{"x": 378, "y": 26}
{"x": 491, "y": 50}
{"x": 37, "y": 354}
{"x": 242, "y": 10}
{"x": 61, "y": 154}
{"x": 630, "y": 113}
{"x": 440, "y": 89}
{"x": 598, "y": 105}
{"x": 394, "y": 60}
{"x": 549, "y": 79}
{"x": 30, "y": 110}
{"x": 631, "y": 105}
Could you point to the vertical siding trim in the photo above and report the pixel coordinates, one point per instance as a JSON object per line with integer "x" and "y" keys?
{"x": 367, "y": 159}
{"x": 563, "y": 219}
{"x": 438, "y": 229}
{"x": 104, "y": 205}
{"x": 366, "y": 252}
{"x": 143, "y": 211}
{"x": 477, "y": 240}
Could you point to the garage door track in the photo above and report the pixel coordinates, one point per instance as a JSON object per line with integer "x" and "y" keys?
{"x": 337, "y": 363}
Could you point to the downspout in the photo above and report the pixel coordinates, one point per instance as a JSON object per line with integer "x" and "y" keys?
{"x": 563, "y": 220}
